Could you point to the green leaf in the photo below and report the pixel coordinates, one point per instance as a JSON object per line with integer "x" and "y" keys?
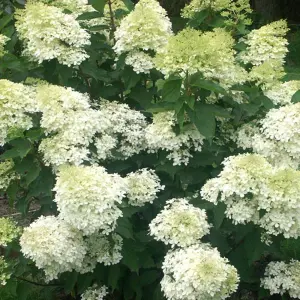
{"x": 198, "y": 18}
{"x": 5, "y": 20}
{"x": 219, "y": 215}
{"x": 99, "y": 5}
{"x": 89, "y": 15}
{"x": 70, "y": 281}
{"x": 254, "y": 246}
{"x": 171, "y": 90}
{"x": 12, "y": 193}
{"x": 204, "y": 119}
{"x": 160, "y": 107}
{"x": 296, "y": 97}
{"x": 114, "y": 276}
{"x": 124, "y": 228}
{"x": 207, "y": 85}
{"x": 22, "y": 146}
{"x": 23, "y": 290}
{"x": 149, "y": 277}
{"x": 130, "y": 78}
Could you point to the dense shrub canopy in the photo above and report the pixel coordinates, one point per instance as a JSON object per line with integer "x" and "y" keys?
{"x": 160, "y": 163}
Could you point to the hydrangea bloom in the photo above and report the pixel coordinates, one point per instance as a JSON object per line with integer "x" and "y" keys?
{"x": 87, "y": 197}
{"x": 95, "y": 293}
{"x": 53, "y": 245}
{"x": 143, "y": 187}
{"x": 48, "y": 33}
{"x": 198, "y": 273}
{"x": 101, "y": 249}
{"x": 3, "y": 40}
{"x": 281, "y": 278}
{"x": 140, "y": 61}
{"x": 266, "y": 43}
{"x": 275, "y": 137}
{"x": 66, "y": 114}
{"x": 147, "y": 27}
{"x": 208, "y": 52}
{"x": 8, "y": 231}
{"x": 121, "y": 131}
{"x": 248, "y": 184}
{"x": 179, "y": 223}
{"x": 16, "y": 101}
{"x": 160, "y": 135}
{"x": 6, "y": 174}
{"x": 4, "y": 273}
{"x": 282, "y": 93}
{"x": 233, "y": 11}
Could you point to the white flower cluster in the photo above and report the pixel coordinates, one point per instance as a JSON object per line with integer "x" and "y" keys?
{"x": 87, "y": 198}
{"x": 234, "y": 11}
{"x": 121, "y": 131}
{"x": 72, "y": 124}
{"x": 4, "y": 273}
{"x": 161, "y": 136}
{"x": 281, "y": 278}
{"x": 101, "y": 249}
{"x": 266, "y": 51}
{"x": 143, "y": 187}
{"x": 179, "y": 223}
{"x": 48, "y": 33}
{"x": 95, "y": 293}
{"x": 140, "y": 61}
{"x": 146, "y": 28}
{"x": 277, "y": 138}
{"x": 210, "y": 53}
{"x": 16, "y": 102}
{"x": 53, "y": 245}
{"x": 198, "y": 273}
{"x": 9, "y": 230}
{"x": 3, "y": 40}
{"x": 6, "y": 174}
{"x": 282, "y": 93}
{"x": 249, "y": 185}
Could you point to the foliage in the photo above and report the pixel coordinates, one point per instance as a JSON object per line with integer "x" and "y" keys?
{"x": 129, "y": 140}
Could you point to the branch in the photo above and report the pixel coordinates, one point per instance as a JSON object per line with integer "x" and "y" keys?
{"x": 35, "y": 283}
{"x": 112, "y": 20}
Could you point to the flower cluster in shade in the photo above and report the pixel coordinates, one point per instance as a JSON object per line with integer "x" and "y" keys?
{"x": 160, "y": 135}
{"x": 47, "y": 33}
{"x": 143, "y": 187}
{"x": 9, "y": 230}
{"x": 275, "y": 137}
{"x": 281, "y": 278}
{"x": 3, "y": 40}
{"x": 121, "y": 131}
{"x": 56, "y": 247}
{"x": 95, "y": 293}
{"x": 254, "y": 191}
{"x": 4, "y": 271}
{"x": 179, "y": 224}
{"x": 234, "y": 12}
{"x": 87, "y": 198}
{"x": 266, "y": 51}
{"x": 144, "y": 30}
{"x": 6, "y": 174}
{"x": 210, "y": 53}
{"x": 17, "y": 101}
{"x": 198, "y": 272}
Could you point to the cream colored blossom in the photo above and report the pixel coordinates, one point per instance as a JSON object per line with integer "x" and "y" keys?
{"x": 179, "y": 223}
{"x": 198, "y": 273}
{"x": 87, "y": 198}
{"x": 3, "y": 40}
{"x": 281, "y": 278}
{"x": 143, "y": 187}
{"x": 53, "y": 245}
{"x": 160, "y": 135}
{"x": 9, "y": 230}
{"x": 4, "y": 271}
{"x": 95, "y": 293}
{"x": 48, "y": 33}
{"x": 16, "y": 102}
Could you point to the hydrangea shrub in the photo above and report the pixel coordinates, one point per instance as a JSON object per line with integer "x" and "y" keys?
{"x": 150, "y": 158}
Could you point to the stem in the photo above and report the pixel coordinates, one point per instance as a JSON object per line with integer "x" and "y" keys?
{"x": 112, "y": 21}
{"x": 35, "y": 283}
